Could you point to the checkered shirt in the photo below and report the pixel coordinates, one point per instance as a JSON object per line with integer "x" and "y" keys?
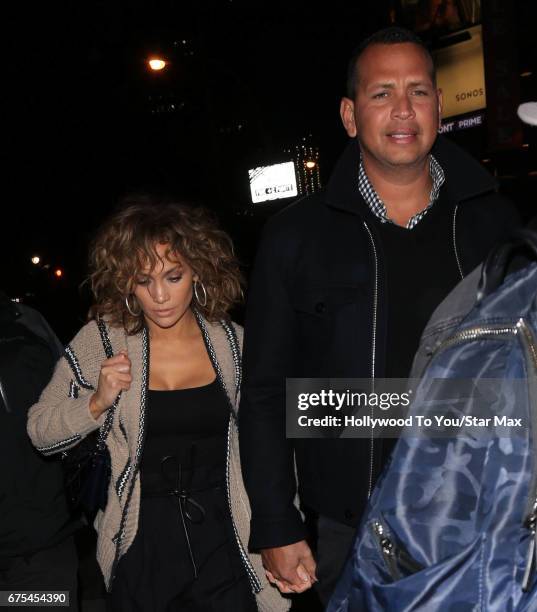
{"x": 377, "y": 205}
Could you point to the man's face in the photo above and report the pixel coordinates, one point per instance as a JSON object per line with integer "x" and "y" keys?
{"x": 396, "y": 110}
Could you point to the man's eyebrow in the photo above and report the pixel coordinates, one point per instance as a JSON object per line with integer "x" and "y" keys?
{"x": 389, "y": 85}
{"x": 420, "y": 84}
{"x": 382, "y": 85}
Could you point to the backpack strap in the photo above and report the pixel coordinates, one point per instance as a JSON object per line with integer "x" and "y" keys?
{"x": 501, "y": 259}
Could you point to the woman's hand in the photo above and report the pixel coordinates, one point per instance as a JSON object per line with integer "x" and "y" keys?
{"x": 291, "y": 568}
{"x": 115, "y": 376}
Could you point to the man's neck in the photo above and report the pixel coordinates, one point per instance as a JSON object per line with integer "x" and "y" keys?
{"x": 404, "y": 190}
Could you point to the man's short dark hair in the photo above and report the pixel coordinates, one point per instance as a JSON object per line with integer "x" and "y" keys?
{"x": 394, "y": 35}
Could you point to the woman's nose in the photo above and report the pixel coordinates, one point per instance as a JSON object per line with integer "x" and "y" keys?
{"x": 159, "y": 293}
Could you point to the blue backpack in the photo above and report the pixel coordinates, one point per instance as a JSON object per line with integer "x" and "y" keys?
{"x": 452, "y": 523}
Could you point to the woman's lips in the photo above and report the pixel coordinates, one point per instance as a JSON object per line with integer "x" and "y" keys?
{"x": 164, "y": 313}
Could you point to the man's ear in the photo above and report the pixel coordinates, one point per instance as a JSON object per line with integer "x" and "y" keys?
{"x": 346, "y": 111}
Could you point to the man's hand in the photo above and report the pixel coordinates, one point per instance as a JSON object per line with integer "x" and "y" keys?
{"x": 291, "y": 568}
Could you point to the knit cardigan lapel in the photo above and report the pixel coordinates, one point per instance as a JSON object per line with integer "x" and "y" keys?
{"x": 132, "y": 405}
{"x": 218, "y": 347}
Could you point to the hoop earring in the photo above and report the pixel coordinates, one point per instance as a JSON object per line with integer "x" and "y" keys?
{"x": 202, "y": 303}
{"x": 131, "y": 311}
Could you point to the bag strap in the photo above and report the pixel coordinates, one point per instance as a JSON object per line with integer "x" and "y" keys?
{"x": 109, "y": 352}
{"x": 499, "y": 261}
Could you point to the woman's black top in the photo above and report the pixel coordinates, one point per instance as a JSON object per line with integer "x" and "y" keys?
{"x": 185, "y": 555}
{"x": 185, "y": 440}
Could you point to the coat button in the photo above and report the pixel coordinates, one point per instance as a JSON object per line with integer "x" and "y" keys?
{"x": 349, "y": 514}
{"x": 320, "y": 307}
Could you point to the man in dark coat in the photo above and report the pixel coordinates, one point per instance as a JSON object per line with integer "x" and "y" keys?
{"x": 37, "y": 551}
{"x": 343, "y": 285}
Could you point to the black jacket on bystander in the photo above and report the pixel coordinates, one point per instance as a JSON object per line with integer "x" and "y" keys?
{"x": 33, "y": 508}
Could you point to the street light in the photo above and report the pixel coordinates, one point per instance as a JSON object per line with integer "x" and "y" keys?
{"x": 35, "y": 260}
{"x": 58, "y": 272}
{"x": 157, "y": 64}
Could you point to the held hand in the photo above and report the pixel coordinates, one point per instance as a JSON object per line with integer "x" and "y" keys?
{"x": 291, "y": 568}
{"x": 115, "y": 376}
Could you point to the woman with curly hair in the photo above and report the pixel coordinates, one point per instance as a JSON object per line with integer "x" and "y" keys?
{"x": 174, "y": 530}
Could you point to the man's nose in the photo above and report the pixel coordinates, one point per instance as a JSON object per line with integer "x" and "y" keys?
{"x": 403, "y": 108}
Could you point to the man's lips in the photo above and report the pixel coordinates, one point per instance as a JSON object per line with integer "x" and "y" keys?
{"x": 402, "y": 135}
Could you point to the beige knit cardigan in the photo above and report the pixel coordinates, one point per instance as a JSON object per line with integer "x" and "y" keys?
{"x": 61, "y": 418}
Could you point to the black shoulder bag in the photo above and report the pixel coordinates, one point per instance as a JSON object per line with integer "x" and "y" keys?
{"x": 87, "y": 466}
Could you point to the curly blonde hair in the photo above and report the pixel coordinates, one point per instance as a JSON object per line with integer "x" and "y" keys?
{"x": 126, "y": 243}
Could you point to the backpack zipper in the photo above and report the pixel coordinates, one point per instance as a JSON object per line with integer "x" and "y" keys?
{"x": 475, "y": 333}
{"x": 472, "y": 333}
{"x": 394, "y": 554}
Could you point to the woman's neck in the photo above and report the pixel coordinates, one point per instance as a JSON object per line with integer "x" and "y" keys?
{"x": 185, "y": 327}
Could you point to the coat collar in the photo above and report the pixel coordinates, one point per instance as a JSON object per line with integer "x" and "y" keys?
{"x": 465, "y": 177}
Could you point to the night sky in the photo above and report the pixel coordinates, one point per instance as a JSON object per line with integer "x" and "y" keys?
{"x": 86, "y": 121}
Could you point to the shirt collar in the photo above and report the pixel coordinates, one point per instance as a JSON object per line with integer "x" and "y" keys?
{"x": 376, "y": 205}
